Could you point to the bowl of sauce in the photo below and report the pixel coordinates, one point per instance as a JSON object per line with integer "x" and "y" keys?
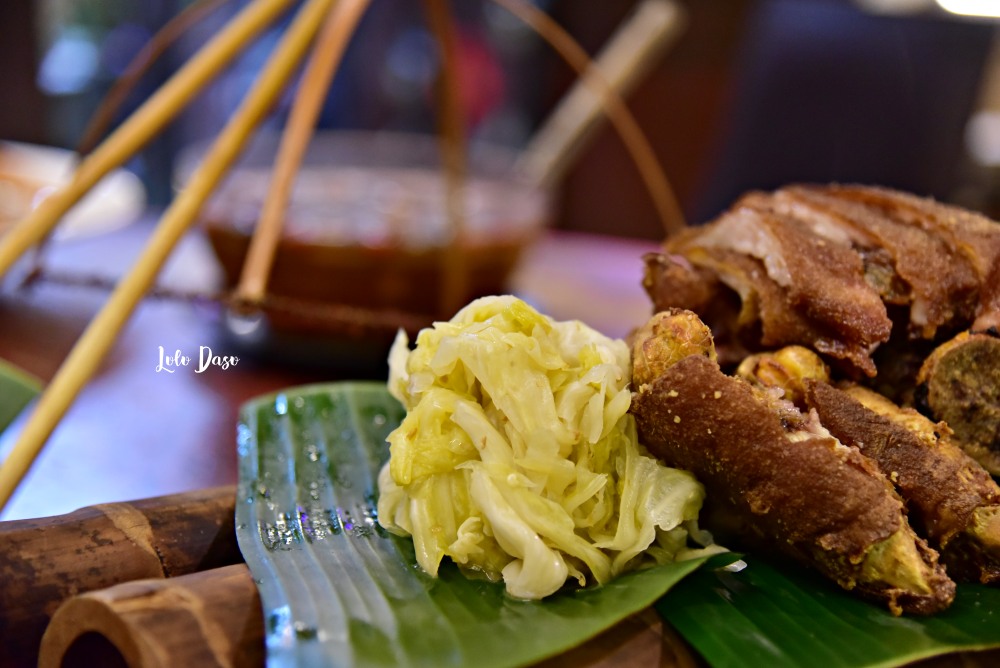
{"x": 367, "y": 228}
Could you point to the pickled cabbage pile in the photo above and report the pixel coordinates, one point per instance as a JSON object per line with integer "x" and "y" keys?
{"x": 518, "y": 460}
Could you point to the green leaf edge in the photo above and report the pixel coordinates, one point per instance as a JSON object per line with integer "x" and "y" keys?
{"x": 641, "y": 588}
{"x": 17, "y": 389}
{"x": 721, "y": 613}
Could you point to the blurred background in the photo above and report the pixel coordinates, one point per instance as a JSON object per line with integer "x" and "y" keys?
{"x": 754, "y": 94}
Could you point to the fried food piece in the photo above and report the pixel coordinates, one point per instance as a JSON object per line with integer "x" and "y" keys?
{"x": 941, "y": 281}
{"x": 786, "y": 369}
{"x": 988, "y": 315}
{"x": 824, "y": 280}
{"x": 793, "y": 286}
{"x": 951, "y": 499}
{"x": 788, "y": 480}
{"x": 959, "y": 383}
{"x": 667, "y": 339}
{"x": 678, "y": 283}
{"x": 973, "y": 235}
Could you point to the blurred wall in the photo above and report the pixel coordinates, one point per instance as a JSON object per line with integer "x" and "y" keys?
{"x": 22, "y": 113}
{"x": 761, "y": 93}
{"x": 755, "y": 93}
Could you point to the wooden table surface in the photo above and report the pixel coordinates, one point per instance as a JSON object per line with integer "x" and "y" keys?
{"x": 135, "y": 432}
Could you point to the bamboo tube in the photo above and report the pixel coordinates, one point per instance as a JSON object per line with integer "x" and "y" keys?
{"x": 45, "y": 561}
{"x": 319, "y": 72}
{"x": 628, "y": 129}
{"x": 140, "y": 127}
{"x": 215, "y": 618}
{"x": 451, "y": 127}
{"x": 99, "y": 336}
{"x": 212, "y": 618}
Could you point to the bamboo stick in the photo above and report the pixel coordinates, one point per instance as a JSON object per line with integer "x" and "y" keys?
{"x": 628, "y": 56}
{"x": 45, "y": 561}
{"x": 140, "y": 127}
{"x": 99, "y": 336}
{"x": 628, "y": 129}
{"x": 454, "y": 150}
{"x": 137, "y": 68}
{"x": 212, "y": 618}
{"x": 320, "y": 69}
{"x": 122, "y": 87}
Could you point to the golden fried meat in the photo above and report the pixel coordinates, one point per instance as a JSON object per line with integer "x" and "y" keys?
{"x": 788, "y": 480}
{"x": 950, "y": 498}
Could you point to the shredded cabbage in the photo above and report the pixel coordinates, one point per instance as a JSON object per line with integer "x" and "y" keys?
{"x": 518, "y": 459}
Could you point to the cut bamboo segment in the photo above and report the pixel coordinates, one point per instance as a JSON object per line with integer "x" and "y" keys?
{"x": 140, "y": 127}
{"x": 99, "y": 336}
{"x": 212, "y": 618}
{"x": 322, "y": 65}
{"x": 45, "y": 561}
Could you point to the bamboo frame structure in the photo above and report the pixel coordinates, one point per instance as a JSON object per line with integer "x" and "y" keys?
{"x": 335, "y": 21}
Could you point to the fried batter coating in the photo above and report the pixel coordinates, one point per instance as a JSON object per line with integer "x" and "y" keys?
{"x": 850, "y": 271}
{"x": 951, "y": 499}
{"x": 793, "y": 286}
{"x": 943, "y": 282}
{"x": 789, "y": 482}
{"x": 667, "y": 338}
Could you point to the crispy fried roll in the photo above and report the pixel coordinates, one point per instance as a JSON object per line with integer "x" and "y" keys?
{"x": 951, "y": 499}
{"x": 790, "y": 482}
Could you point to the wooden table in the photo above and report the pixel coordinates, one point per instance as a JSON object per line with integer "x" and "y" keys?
{"x": 134, "y": 432}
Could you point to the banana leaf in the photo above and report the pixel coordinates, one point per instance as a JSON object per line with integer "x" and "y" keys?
{"x": 339, "y": 591}
{"x": 17, "y": 388}
{"x": 779, "y": 614}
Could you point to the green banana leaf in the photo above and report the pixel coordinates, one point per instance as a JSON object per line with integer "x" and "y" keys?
{"x": 338, "y": 591}
{"x": 779, "y": 615}
{"x": 17, "y": 388}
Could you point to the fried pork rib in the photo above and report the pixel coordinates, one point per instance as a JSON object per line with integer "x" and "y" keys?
{"x": 781, "y": 474}
{"x": 818, "y": 266}
{"x": 872, "y": 279}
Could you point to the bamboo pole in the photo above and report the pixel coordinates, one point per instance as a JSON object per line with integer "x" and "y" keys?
{"x": 454, "y": 150}
{"x": 635, "y": 47}
{"x": 319, "y": 72}
{"x": 137, "y": 68}
{"x": 99, "y": 336}
{"x": 625, "y": 124}
{"x": 45, "y": 561}
{"x": 140, "y": 127}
